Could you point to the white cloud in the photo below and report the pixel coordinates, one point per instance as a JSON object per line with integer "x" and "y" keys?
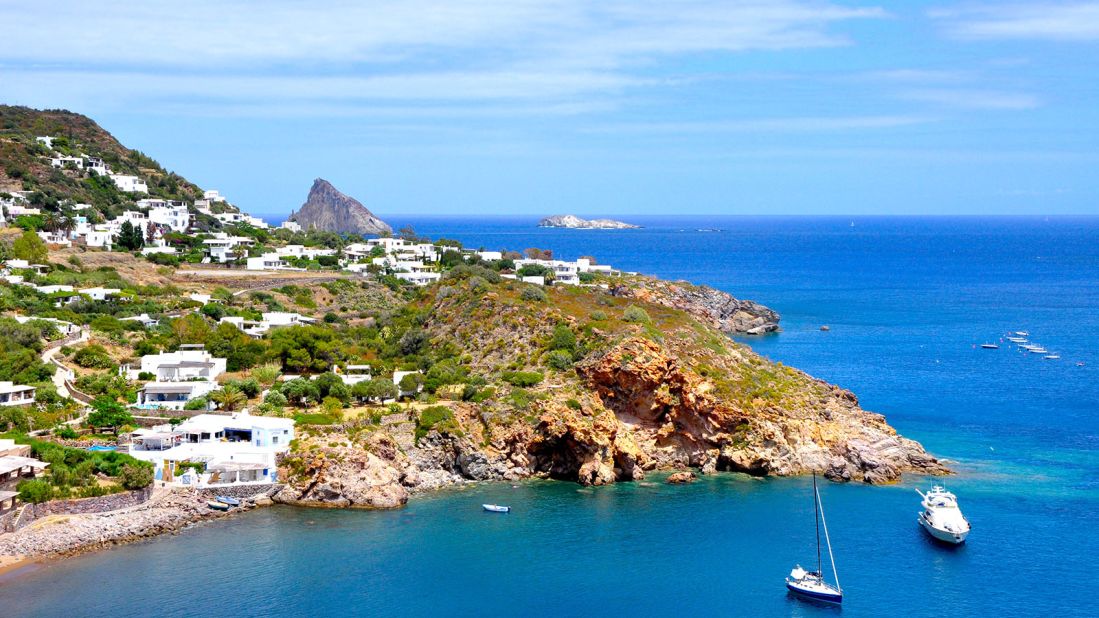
{"x": 804, "y": 124}
{"x": 974, "y": 99}
{"x": 1075, "y": 21}
{"x": 140, "y": 32}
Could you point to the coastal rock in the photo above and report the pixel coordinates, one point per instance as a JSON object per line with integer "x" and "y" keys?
{"x": 714, "y": 307}
{"x": 328, "y": 209}
{"x": 345, "y": 474}
{"x": 574, "y": 222}
{"x": 681, "y": 478}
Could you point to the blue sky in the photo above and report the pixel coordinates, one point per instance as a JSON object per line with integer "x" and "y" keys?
{"x": 614, "y": 107}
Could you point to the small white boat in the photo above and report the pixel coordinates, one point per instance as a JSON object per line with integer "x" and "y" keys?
{"x": 941, "y": 517}
{"x": 496, "y": 508}
{"x": 1039, "y": 350}
{"x": 1052, "y": 357}
{"x": 1022, "y": 333}
{"x": 811, "y": 584}
{"x": 990, "y": 346}
{"x": 1017, "y": 339}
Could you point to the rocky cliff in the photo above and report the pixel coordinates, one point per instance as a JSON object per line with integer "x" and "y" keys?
{"x": 714, "y": 307}
{"x": 327, "y": 208}
{"x": 666, "y": 392}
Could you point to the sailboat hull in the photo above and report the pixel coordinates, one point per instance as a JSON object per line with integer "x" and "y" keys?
{"x": 816, "y": 593}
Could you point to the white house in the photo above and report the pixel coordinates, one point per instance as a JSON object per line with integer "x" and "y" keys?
{"x": 293, "y": 226}
{"x": 354, "y": 374}
{"x": 490, "y": 256}
{"x": 55, "y": 238}
{"x": 62, "y": 161}
{"x": 225, "y": 248}
{"x": 100, "y": 293}
{"x": 45, "y": 139}
{"x": 565, "y": 272}
{"x": 268, "y": 261}
{"x": 63, "y": 327}
{"x": 12, "y": 394}
{"x": 285, "y": 318}
{"x": 418, "y": 278}
{"x": 129, "y": 184}
{"x": 144, "y": 319}
{"x": 170, "y": 214}
{"x": 213, "y": 196}
{"x": 303, "y": 252}
{"x": 220, "y": 450}
{"x": 190, "y": 362}
{"x": 172, "y": 395}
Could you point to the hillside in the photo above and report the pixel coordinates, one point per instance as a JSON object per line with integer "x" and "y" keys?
{"x": 25, "y": 162}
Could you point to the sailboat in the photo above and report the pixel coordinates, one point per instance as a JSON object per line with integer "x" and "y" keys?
{"x": 811, "y": 584}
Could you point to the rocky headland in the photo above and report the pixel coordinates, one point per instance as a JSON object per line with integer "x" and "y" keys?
{"x": 326, "y": 208}
{"x": 574, "y": 222}
{"x": 671, "y": 392}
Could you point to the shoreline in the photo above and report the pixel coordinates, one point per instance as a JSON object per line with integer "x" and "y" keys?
{"x": 170, "y": 512}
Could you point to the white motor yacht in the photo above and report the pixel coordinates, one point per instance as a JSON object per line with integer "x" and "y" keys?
{"x": 941, "y": 517}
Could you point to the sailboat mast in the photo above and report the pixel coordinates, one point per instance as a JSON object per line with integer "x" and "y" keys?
{"x": 816, "y": 519}
{"x": 827, "y": 540}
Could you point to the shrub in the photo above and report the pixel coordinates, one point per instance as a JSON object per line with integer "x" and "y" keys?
{"x": 559, "y": 360}
{"x": 533, "y": 293}
{"x": 341, "y": 392}
{"x": 35, "y": 491}
{"x": 598, "y": 315}
{"x": 198, "y": 403}
{"x": 66, "y": 432}
{"x": 586, "y": 277}
{"x": 93, "y": 356}
{"x": 574, "y": 404}
{"x": 633, "y": 313}
{"x": 266, "y": 374}
{"x": 563, "y": 339}
{"x": 523, "y": 379}
{"x": 136, "y": 475}
{"x": 276, "y": 399}
{"x": 438, "y": 418}
{"x": 146, "y": 375}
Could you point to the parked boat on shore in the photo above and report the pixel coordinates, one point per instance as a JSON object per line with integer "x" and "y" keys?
{"x": 217, "y": 506}
{"x": 228, "y": 500}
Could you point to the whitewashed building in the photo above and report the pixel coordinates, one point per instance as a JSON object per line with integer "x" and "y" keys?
{"x": 12, "y": 394}
{"x": 129, "y": 184}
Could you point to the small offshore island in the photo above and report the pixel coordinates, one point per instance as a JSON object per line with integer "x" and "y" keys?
{"x": 576, "y": 223}
{"x": 392, "y": 365}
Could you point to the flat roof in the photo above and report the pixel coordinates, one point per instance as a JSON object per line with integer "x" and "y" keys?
{"x": 184, "y": 387}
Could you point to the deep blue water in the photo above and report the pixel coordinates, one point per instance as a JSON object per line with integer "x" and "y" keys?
{"x": 907, "y": 300}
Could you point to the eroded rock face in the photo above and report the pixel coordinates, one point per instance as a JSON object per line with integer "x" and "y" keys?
{"x": 678, "y": 418}
{"x": 714, "y": 307}
{"x": 328, "y": 209}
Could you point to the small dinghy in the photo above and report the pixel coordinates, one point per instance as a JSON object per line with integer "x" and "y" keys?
{"x": 217, "y": 506}
{"x": 1052, "y": 357}
{"x": 990, "y": 346}
{"x": 811, "y": 584}
{"x": 228, "y": 500}
{"x": 496, "y": 508}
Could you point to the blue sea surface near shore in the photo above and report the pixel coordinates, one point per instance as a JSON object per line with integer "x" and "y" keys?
{"x": 908, "y": 302}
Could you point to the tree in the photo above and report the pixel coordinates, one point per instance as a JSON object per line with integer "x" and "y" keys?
{"x": 378, "y": 388}
{"x": 29, "y": 247}
{"x": 106, "y": 412}
{"x": 229, "y": 397}
{"x": 130, "y": 237}
{"x": 534, "y": 253}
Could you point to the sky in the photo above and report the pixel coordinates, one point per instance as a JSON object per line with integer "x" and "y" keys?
{"x": 538, "y": 107}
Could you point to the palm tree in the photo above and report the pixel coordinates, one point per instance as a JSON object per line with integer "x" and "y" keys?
{"x": 228, "y": 398}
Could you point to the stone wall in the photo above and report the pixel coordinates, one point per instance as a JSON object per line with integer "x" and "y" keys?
{"x": 242, "y": 492}
{"x": 99, "y": 504}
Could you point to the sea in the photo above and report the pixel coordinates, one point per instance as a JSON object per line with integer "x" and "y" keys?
{"x": 908, "y": 302}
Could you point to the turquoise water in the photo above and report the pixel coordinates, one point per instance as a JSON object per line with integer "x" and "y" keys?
{"x": 907, "y": 301}
{"x": 101, "y": 448}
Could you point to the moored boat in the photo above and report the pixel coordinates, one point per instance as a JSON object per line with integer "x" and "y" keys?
{"x": 496, "y": 508}
{"x": 1052, "y": 357}
{"x": 217, "y": 506}
{"x": 811, "y": 584}
{"x": 990, "y": 346}
{"x": 941, "y": 517}
{"x": 228, "y": 500}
